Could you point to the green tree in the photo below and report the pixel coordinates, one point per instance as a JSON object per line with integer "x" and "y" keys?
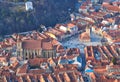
{"x": 114, "y": 60}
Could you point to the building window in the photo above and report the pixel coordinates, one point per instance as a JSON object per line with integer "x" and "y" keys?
{"x": 18, "y": 53}
{"x": 32, "y": 55}
{"x": 44, "y": 55}
{"x": 26, "y": 54}
{"x": 48, "y": 54}
{"x": 35, "y": 54}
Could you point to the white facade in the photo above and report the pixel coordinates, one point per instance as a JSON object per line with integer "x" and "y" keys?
{"x": 29, "y": 6}
{"x": 72, "y": 17}
{"x": 63, "y": 28}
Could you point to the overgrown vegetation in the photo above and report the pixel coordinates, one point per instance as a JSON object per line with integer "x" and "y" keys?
{"x": 14, "y": 18}
{"x": 114, "y": 60}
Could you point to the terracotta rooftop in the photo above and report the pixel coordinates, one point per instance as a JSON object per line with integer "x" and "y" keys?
{"x": 66, "y": 77}
{"x": 83, "y": 7}
{"x": 42, "y": 36}
{"x": 60, "y": 49}
{"x": 36, "y": 71}
{"x": 47, "y": 45}
{"x": 55, "y": 32}
{"x": 111, "y": 7}
{"x": 36, "y": 61}
{"x": 31, "y": 44}
{"x": 54, "y": 77}
{"x": 114, "y": 34}
{"x": 85, "y": 36}
{"x": 89, "y": 53}
{"x": 22, "y": 69}
{"x": 3, "y": 59}
{"x": 37, "y": 44}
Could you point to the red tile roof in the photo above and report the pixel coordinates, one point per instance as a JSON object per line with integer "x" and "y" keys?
{"x": 83, "y": 7}
{"x": 111, "y": 7}
{"x": 36, "y": 71}
{"x": 45, "y": 44}
{"x": 31, "y": 44}
{"x": 22, "y": 69}
{"x": 36, "y": 61}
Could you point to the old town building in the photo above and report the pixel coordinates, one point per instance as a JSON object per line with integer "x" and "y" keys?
{"x": 35, "y": 48}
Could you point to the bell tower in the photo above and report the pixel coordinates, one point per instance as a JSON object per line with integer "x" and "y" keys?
{"x": 19, "y": 49}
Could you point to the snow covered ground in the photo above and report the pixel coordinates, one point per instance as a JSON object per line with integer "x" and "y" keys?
{"x": 95, "y": 38}
{"x": 74, "y": 42}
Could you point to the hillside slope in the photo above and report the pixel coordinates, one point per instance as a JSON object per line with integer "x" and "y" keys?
{"x": 14, "y": 18}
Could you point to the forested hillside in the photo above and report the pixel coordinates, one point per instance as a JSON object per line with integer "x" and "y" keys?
{"x": 14, "y": 18}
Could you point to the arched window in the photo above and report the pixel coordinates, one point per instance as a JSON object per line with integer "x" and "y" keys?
{"x": 26, "y": 54}
{"x": 48, "y": 53}
{"x": 36, "y": 54}
{"x": 32, "y": 55}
